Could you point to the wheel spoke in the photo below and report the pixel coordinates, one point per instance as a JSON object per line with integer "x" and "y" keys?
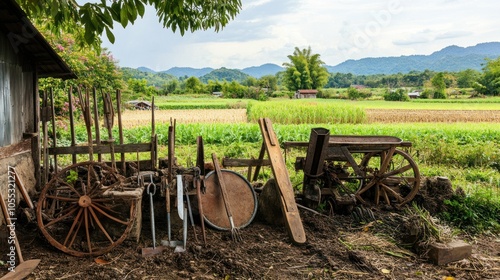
{"x": 76, "y": 233}
{"x": 61, "y": 217}
{"x": 377, "y": 194}
{"x": 86, "y": 217}
{"x": 397, "y": 171}
{"x": 107, "y": 215}
{"x": 73, "y": 226}
{"x": 367, "y": 187}
{"x": 386, "y": 197}
{"x": 100, "y": 225}
{"x": 393, "y": 193}
{"x": 73, "y": 206}
{"x": 68, "y": 185}
{"x": 62, "y": 198}
{"x": 104, "y": 207}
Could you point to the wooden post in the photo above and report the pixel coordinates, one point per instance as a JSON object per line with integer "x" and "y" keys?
{"x": 96, "y": 123}
{"x": 71, "y": 122}
{"x": 120, "y": 129}
{"x": 53, "y": 121}
{"x": 35, "y": 141}
{"x": 154, "y": 140}
{"x": 45, "y": 139}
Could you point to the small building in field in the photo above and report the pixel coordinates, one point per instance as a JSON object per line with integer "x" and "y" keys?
{"x": 305, "y": 93}
{"x": 25, "y": 56}
{"x": 414, "y": 94}
{"x": 140, "y": 105}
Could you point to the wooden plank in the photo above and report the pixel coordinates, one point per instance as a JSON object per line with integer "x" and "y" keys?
{"x": 45, "y": 142}
{"x": 289, "y": 207}
{"x": 103, "y": 149}
{"x": 22, "y": 270}
{"x": 120, "y": 128}
{"x": 96, "y": 123}
{"x": 71, "y": 122}
{"x": 53, "y": 121}
{"x": 35, "y": 141}
{"x": 235, "y": 162}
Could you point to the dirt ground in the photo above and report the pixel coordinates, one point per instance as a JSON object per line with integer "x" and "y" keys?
{"x": 337, "y": 247}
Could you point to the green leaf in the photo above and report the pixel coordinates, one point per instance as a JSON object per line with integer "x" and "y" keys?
{"x": 89, "y": 34}
{"x": 115, "y": 11}
{"x": 110, "y": 35}
{"x": 124, "y": 16}
{"x": 140, "y": 8}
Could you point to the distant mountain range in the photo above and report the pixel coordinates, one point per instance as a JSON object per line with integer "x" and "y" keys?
{"x": 452, "y": 59}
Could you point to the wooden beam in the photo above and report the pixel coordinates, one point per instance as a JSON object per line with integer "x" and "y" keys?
{"x": 103, "y": 149}
{"x": 235, "y": 162}
{"x": 290, "y": 210}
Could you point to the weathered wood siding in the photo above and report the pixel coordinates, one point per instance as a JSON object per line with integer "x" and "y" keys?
{"x": 17, "y": 113}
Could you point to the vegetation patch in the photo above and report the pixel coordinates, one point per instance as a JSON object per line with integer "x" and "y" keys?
{"x": 305, "y": 112}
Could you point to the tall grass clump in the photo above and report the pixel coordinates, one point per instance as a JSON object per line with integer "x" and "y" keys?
{"x": 305, "y": 112}
{"x": 476, "y": 212}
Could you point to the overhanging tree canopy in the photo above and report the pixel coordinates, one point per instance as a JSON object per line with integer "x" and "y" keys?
{"x": 99, "y": 17}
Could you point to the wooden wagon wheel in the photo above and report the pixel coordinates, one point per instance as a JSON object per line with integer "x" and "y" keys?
{"x": 77, "y": 214}
{"x": 391, "y": 176}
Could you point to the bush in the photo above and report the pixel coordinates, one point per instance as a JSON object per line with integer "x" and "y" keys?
{"x": 474, "y": 213}
{"x": 426, "y": 94}
{"x": 439, "y": 95}
{"x": 396, "y": 95}
{"x": 355, "y": 94}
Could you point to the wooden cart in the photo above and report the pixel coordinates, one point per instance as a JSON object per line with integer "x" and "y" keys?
{"x": 343, "y": 170}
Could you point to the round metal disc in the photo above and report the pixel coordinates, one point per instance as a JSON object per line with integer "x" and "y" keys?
{"x": 241, "y": 196}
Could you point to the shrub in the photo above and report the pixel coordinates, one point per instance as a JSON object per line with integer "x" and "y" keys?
{"x": 439, "y": 95}
{"x": 474, "y": 213}
{"x": 396, "y": 95}
{"x": 354, "y": 94}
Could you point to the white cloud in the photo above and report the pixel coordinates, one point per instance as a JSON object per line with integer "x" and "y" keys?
{"x": 266, "y": 31}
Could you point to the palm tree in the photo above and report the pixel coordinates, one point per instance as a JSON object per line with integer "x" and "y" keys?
{"x": 305, "y": 71}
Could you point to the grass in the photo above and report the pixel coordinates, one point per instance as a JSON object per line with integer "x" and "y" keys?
{"x": 304, "y": 111}
{"x": 200, "y": 101}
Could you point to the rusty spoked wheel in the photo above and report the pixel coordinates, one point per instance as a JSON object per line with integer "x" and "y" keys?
{"x": 78, "y": 214}
{"x": 391, "y": 178}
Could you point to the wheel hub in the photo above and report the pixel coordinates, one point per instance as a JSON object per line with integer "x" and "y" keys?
{"x": 85, "y": 201}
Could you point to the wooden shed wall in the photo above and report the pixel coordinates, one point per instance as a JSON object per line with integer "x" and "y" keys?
{"x": 17, "y": 115}
{"x": 17, "y": 112}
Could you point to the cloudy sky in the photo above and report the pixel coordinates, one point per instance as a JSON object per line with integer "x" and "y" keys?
{"x": 266, "y": 31}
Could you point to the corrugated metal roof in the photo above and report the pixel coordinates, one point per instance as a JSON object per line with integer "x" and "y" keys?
{"x": 307, "y": 91}
{"x": 24, "y": 37}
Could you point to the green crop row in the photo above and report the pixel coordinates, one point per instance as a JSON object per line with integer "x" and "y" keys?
{"x": 302, "y": 112}
{"x": 191, "y": 106}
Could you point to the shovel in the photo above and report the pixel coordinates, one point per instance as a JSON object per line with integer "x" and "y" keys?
{"x": 180, "y": 246}
{"x": 146, "y": 252}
